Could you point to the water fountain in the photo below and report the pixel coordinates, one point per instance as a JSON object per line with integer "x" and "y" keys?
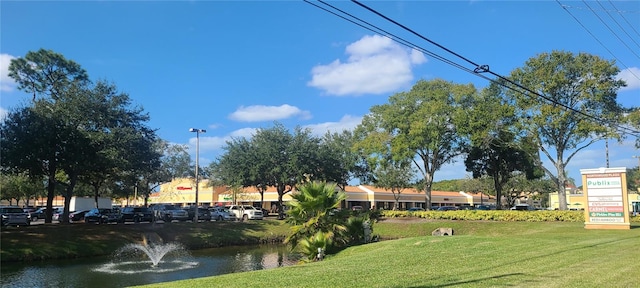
{"x": 149, "y": 256}
{"x": 128, "y": 269}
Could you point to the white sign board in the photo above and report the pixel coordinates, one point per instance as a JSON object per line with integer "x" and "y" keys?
{"x": 606, "y": 192}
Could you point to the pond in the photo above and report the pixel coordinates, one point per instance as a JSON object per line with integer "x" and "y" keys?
{"x": 95, "y": 272}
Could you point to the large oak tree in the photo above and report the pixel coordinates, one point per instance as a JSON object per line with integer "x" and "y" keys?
{"x": 273, "y": 157}
{"x": 420, "y": 125}
{"x": 563, "y": 87}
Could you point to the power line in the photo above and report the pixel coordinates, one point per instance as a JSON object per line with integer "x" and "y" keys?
{"x": 625, "y": 19}
{"x": 620, "y": 26}
{"x": 611, "y": 30}
{"x": 615, "y": 9}
{"x": 380, "y": 31}
{"x": 485, "y": 68}
{"x": 415, "y": 33}
{"x": 476, "y": 71}
{"x": 598, "y": 40}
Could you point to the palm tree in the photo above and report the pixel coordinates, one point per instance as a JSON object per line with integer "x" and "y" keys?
{"x": 310, "y": 213}
{"x": 309, "y": 246}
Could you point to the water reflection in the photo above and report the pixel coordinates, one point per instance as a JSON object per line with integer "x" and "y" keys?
{"x": 80, "y": 273}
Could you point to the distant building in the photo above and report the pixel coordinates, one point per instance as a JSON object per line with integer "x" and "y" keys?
{"x": 182, "y": 192}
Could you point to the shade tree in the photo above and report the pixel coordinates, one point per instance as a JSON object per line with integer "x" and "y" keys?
{"x": 569, "y": 103}
{"x": 76, "y": 131}
{"x": 497, "y": 149}
{"x": 420, "y": 125}
{"x": 273, "y": 157}
{"x": 340, "y": 162}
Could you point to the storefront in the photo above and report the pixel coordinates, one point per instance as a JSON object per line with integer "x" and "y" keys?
{"x": 182, "y": 192}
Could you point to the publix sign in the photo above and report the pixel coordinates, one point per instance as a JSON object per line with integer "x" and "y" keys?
{"x": 604, "y": 182}
{"x": 607, "y": 198}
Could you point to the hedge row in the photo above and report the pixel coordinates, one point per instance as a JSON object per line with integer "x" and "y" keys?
{"x": 496, "y": 215}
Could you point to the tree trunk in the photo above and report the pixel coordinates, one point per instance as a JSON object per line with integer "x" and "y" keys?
{"x": 73, "y": 179}
{"x": 562, "y": 192}
{"x": 261, "y": 198}
{"x": 51, "y": 193}
{"x": 95, "y": 194}
{"x": 498, "y": 186}
{"x": 280, "y": 210}
{"x": 427, "y": 192}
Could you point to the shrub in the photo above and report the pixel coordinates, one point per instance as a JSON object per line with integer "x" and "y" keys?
{"x": 495, "y": 215}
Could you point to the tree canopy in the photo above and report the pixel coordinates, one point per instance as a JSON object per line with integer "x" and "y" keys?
{"x": 420, "y": 125}
{"x": 78, "y": 131}
{"x": 273, "y": 157}
{"x": 497, "y": 148}
{"x": 563, "y": 87}
{"x": 46, "y": 72}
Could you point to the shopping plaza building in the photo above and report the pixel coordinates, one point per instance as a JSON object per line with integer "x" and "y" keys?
{"x": 182, "y": 192}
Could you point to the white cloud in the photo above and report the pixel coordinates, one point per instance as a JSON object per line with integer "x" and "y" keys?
{"x": 215, "y": 143}
{"x": 214, "y": 126}
{"x": 376, "y": 65}
{"x": 207, "y": 143}
{"x": 630, "y": 76}
{"x": 347, "y": 122}
{"x": 259, "y": 113}
{"x": 6, "y": 83}
{"x": 244, "y": 133}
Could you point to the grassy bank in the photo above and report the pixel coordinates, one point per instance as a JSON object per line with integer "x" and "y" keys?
{"x": 481, "y": 254}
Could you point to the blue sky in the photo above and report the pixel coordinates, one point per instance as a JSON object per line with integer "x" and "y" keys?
{"x": 233, "y": 67}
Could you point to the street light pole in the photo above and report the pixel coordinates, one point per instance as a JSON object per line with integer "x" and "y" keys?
{"x": 198, "y": 131}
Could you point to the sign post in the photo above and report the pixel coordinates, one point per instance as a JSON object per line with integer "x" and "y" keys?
{"x": 607, "y": 198}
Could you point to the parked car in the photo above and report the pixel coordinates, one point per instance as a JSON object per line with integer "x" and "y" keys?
{"x": 203, "y": 213}
{"x": 522, "y": 207}
{"x": 40, "y": 213}
{"x": 29, "y": 209}
{"x": 14, "y": 216}
{"x": 102, "y": 215}
{"x": 77, "y": 216}
{"x": 414, "y": 209}
{"x": 245, "y": 212}
{"x": 447, "y": 208}
{"x": 168, "y": 213}
{"x": 57, "y": 214}
{"x": 219, "y": 213}
{"x": 265, "y": 212}
{"x": 136, "y": 214}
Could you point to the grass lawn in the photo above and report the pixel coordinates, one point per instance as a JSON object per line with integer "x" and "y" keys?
{"x": 480, "y": 254}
